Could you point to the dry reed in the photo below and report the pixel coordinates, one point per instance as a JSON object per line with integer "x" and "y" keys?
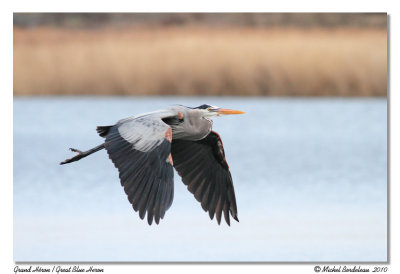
{"x": 201, "y": 61}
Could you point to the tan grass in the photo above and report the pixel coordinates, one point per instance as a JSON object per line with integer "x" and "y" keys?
{"x": 201, "y": 61}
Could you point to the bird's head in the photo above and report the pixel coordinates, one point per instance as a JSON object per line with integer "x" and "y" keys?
{"x": 211, "y": 111}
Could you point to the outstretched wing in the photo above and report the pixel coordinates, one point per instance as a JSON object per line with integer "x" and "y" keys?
{"x": 203, "y": 168}
{"x": 140, "y": 148}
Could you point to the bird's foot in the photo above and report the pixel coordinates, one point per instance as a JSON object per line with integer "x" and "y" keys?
{"x": 75, "y": 158}
{"x": 75, "y": 150}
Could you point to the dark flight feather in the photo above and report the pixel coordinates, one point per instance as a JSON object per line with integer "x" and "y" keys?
{"x": 205, "y": 172}
{"x": 143, "y": 174}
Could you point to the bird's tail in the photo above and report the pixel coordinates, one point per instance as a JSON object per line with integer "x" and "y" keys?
{"x": 82, "y": 154}
{"x": 103, "y": 130}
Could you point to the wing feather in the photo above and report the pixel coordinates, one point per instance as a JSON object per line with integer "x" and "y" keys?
{"x": 139, "y": 147}
{"x": 205, "y": 172}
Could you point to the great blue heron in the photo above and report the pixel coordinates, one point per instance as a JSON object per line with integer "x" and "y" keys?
{"x": 145, "y": 148}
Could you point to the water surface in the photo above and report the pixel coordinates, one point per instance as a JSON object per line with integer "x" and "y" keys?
{"x": 310, "y": 179}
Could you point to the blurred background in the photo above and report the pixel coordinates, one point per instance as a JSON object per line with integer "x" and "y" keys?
{"x": 278, "y": 54}
{"x": 308, "y": 159}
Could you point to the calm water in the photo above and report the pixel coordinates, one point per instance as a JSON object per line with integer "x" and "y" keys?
{"x": 309, "y": 174}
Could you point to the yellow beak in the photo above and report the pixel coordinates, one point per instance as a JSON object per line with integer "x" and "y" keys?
{"x": 225, "y": 111}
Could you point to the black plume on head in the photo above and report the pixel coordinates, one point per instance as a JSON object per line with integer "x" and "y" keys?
{"x": 204, "y": 106}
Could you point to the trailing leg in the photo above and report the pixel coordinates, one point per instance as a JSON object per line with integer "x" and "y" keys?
{"x": 82, "y": 154}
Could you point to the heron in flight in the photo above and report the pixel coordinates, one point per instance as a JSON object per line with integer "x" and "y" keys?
{"x": 146, "y": 147}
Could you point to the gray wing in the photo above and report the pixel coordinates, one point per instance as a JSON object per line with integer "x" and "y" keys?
{"x": 203, "y": 168}
{"x": 140, "y": 149}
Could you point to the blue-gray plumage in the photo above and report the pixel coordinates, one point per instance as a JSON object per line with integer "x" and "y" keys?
{"x": 145, "y": 148}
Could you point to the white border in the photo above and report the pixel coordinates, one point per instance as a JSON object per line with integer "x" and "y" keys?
{"x": 6, "y": 256}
